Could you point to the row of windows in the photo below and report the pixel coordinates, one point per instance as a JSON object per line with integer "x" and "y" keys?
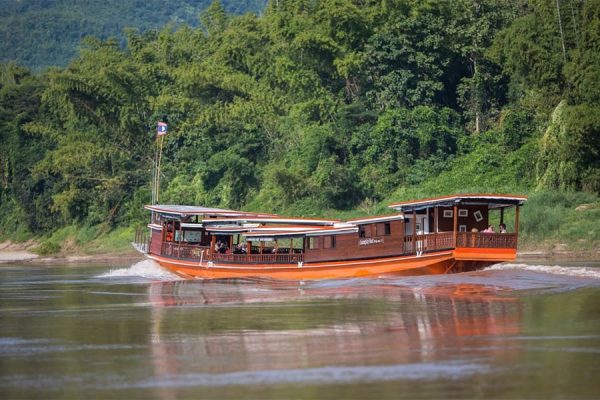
{"x": 328, "y": 242}
{"x": 381, "y": 229}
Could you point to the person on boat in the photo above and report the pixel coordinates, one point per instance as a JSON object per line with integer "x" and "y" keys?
{"x": 502, "y": 228}
{"x": 490, "y": 229}
{"x": 220, "y": 247}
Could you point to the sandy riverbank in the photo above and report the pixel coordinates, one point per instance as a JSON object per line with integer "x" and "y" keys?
{"x": 20, "y": 253}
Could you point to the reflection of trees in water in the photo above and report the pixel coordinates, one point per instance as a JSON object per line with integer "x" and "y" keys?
{"x": 219, "y": 327}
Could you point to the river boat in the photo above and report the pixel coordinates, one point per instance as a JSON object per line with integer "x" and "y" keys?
{"x": 431, "y": 236}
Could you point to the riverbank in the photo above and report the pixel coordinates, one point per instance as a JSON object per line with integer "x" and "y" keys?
{"x": 22, "y": 253}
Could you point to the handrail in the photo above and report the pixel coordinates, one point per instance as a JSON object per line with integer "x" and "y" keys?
{"x": 444, "y": 240}
{"x": 197, "y": 252}
{"x": 428, "y": 242}
{"x": 487, "y": 240}
{"x": 183, "y": 250}
{"x": 416, "y": 244}
{"x": 276, "y": 258}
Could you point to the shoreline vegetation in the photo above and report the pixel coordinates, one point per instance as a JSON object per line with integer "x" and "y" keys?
{"x": 333, "y": 108}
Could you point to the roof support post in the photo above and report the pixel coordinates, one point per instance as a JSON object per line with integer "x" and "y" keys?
{"x": 517, "y": 221}
{"x": 414, "y": 229}
{"x": 291, "y": 246}
{"x": 435, "y": 227}
{"x": 248, "y": 248}
{"x": 213, "y": 244}
{"x": 454, "y": 229}
{"x": 502, "y": 215}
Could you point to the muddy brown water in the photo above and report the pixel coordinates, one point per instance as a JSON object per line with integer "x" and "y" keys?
{"x": 510, "y": 331}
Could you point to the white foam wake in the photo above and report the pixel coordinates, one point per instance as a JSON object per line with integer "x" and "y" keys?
{"x": 147, "y": 269}
{"x": 581, "y": 272}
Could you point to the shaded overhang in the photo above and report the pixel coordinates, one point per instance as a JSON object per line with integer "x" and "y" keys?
{"x": 265, "y": 235}
{"x": 182, "y": 211}
{"x": 373, "y": 220}
{"x": 272, "y": 219}
{"x": 489, "y": 200}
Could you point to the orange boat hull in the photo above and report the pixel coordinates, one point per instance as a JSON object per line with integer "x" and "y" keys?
{"x": 459, "y": 260}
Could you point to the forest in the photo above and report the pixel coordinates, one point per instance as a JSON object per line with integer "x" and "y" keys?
{"x": 314, "y": 108}
{"x": 43, "y": 33}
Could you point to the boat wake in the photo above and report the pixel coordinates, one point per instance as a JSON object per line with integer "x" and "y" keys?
{"x": 578, "y": 272}
{"x": 148, "y": 270}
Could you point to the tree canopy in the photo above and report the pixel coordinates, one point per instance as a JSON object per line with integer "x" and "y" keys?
{"x": 313, "y": 105}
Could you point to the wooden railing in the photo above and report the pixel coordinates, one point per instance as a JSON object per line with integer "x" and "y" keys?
{"x": 197, "y": 253}
{"x": 445, "y": 240}
{"x": 486, "y": 240}
{"x": 258, "y": 258}
{"x": 421, "y": 244}
{"x": 428, "y": 242}
{"x": 184, "y": 250}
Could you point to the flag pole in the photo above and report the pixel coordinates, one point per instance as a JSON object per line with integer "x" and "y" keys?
{"x": 162, "y": 139}
{"x": 154, "y": 164}
{"x": 161, "y": 131}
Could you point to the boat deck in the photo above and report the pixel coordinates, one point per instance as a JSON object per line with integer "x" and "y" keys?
{"x": 413, "y": 245}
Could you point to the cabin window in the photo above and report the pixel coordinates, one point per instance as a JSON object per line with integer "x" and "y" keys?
{"x": 462, "y": 228}
{"x": 463, "y": 212}
{"x": 192, "y": 236}
{"x": 361, "y": 231}
{"x": 384, "y": 228}
{"x": 329, "y": 242}
{"x": 448, "y": 213}
{"x": 313, "y": 243}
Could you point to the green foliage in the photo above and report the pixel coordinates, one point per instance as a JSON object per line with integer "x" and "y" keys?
{"x": 314, "y": 108}
{"x": 47, "y": 248}
{"x": 570, "y": 150}
{"x": 38, "y": 33}
{"x": 569, "y": 218}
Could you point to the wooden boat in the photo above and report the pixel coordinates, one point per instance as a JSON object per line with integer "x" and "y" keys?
{"x": 431, "y": 236}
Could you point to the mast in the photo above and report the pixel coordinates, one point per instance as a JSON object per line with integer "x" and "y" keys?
{"x": 161, "y": 131}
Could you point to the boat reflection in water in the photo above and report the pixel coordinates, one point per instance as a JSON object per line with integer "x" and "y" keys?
{"x": 222, "y": 328}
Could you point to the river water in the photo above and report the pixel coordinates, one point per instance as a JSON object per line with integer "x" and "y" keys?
{"x": 510, "y": 331}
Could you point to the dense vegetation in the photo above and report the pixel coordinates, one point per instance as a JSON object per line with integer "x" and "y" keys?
{"x": 41, "y": 33}
{"x": 314, "y": 108}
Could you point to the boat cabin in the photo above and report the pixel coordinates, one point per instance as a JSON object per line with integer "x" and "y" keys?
{"x": 212, "y": 235}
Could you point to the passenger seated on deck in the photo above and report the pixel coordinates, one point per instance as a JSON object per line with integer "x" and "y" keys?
{"x": 490, "y": 229}
{"x": 474, "y": 230}
{"x": 220, "y": 247}
{"x": 502, "y": 228}
{"x": 240, "y": 249}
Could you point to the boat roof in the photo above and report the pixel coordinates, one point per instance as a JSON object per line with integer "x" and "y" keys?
{"x": 186, "y": 211}
{"x": 380, "y": 218}
{"x": 273, "y": 219}
{"x": 491, "y": 200}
